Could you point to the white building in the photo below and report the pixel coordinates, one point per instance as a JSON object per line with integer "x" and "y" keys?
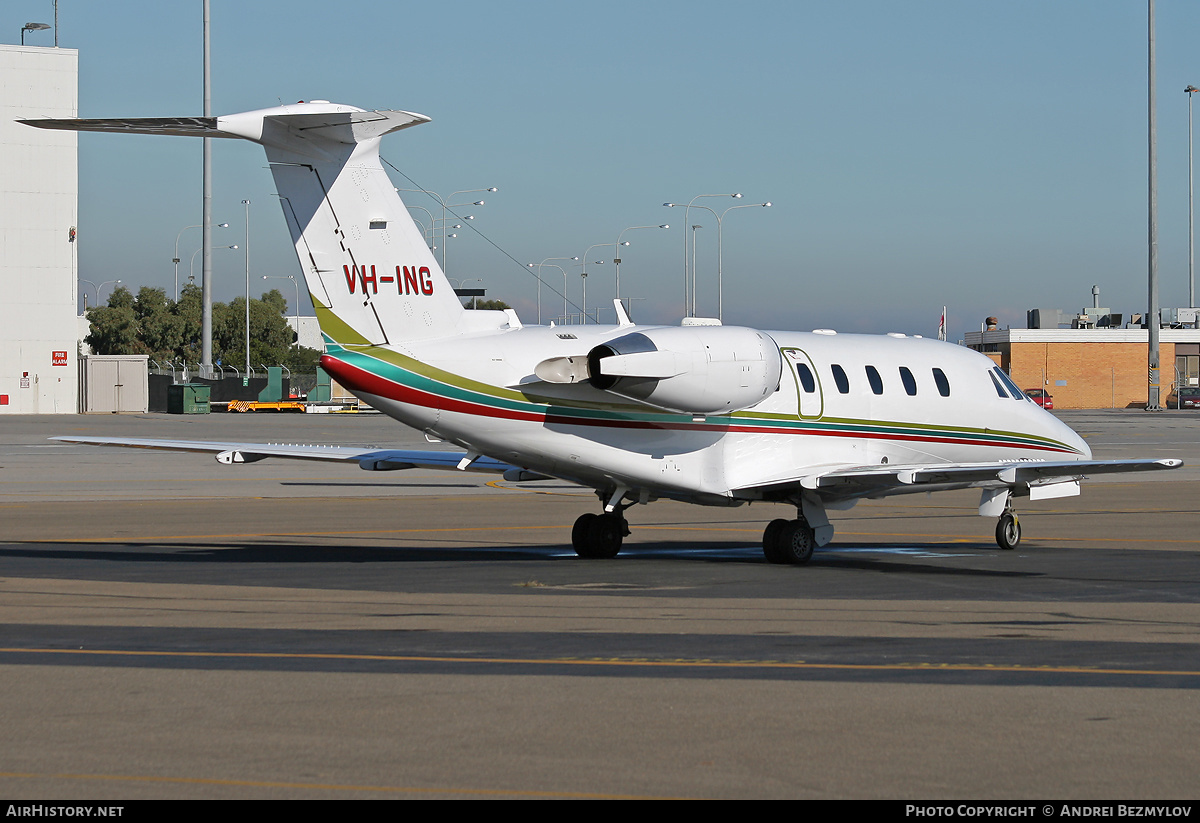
{"x": 39, "y": 190}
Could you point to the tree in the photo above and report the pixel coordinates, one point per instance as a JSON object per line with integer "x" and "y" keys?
{"x": 164, "y": 329}
{"x": 482, "y": 305}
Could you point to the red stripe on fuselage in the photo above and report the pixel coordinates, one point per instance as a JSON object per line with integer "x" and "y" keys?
{"x": 353, "y": 377}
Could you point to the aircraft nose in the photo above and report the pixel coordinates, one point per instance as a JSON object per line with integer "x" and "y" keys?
{"x": 1070, "y": 437}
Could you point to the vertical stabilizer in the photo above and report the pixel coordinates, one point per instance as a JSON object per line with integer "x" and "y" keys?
{"x": 370, "y": 274}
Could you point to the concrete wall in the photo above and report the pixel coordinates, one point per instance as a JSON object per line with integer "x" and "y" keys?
{"x": 39, "y": 187}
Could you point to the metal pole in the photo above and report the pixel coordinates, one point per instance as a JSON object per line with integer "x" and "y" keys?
{"x": 1152, "y": 400}
{"x": 206, "y": 222}
{"x": 692, "y": 309}
{"x": 1190, "y": 90}
{"x": 246, "y": 203}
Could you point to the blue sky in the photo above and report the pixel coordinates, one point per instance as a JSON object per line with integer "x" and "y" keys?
{"x": 986, "y": 156}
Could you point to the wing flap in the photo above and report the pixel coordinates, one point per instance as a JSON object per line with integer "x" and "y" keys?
{"x": 879, "y": 480}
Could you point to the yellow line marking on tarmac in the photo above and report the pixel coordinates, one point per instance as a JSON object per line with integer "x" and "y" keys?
{"x": 495, "y": 484}
{"x": 340, "y": 787}
{"x": 616, "y": 661}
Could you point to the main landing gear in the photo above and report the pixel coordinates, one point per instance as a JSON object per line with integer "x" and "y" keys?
{"x": 599, "y": 536}
{"x": 789, "y": 541}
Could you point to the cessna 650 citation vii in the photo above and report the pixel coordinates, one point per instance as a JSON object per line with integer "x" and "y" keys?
{"x": 709, "y": 414}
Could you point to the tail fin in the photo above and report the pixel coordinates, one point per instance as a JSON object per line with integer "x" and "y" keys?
{"x": 371, "y": 277}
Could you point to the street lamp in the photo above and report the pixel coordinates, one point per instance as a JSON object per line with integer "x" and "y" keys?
{"x": 295, "y": 283}
{"x": 192, "y": 262}
{"x": 583, "y": 274}
{"x": 442, "y": 203}
{"x": 1190, "y": 90}
{"x": 617, "y": 260}
{"x": 32, "y": 27}
{"x": 175, "y": 259}
{"x": 539, "y": 279}
{"x": 689, "y": 306}
{"x": 96, "y": 289}
{"x": 720, "y": 255}
{"x": 246, "y": 203}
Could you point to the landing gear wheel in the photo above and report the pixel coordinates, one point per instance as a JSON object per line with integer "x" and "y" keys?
{"x": 598, "y": 536}
{"x": 771, "y": 541}
{"x": 788, "y": 541}
{"x": 1008, "y": 531}
{"x": 796, "y": 542}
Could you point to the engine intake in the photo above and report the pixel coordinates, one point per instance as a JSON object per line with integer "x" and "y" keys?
{"x": 698, "y": 370}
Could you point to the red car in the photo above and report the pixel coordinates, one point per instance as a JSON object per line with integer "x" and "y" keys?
{"x": 1041, "y": 397}
{"x": 1187, "y": 397}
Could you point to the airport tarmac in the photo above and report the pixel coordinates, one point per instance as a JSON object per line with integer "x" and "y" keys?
{"x": 175, "y": 628}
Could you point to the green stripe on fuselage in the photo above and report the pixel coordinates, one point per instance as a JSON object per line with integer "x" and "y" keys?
{"x": 407, "y": 371}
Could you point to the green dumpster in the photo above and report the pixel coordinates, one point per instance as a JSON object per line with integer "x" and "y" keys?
{"x": 188, "y": 398}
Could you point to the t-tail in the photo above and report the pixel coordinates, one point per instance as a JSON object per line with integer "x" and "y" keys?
{"x": 371, "y": 277}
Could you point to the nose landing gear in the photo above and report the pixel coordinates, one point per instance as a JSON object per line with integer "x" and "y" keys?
{"x": 1008, "y": 530}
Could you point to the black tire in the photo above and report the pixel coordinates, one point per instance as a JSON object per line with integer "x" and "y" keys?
{"x": 771, "y": 540}
{"x": 598, "y": 536}
{"x": 581, "y": 534}
{"x": 1008, "y": 532}
{"x": 796, "y": 542}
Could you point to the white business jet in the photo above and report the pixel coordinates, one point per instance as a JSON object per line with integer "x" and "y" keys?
{"x": 701, "y": 412}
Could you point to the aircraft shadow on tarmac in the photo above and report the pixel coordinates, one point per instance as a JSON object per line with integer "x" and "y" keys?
{"x": 925, "y": 558}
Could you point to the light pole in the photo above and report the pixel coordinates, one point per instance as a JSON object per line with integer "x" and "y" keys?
{"x": 426, "y": 233}
{"x": 721, "y": 257}
{"x": 689, "y": 305}
{"x": 692, "y": 308}
{"x": 192, "y": 262}
{"x": 96, "y": 289}
{"x": 206, "y": 217}
{"x": 246, "y": 203}
{"x": 617, "y": 260}
{"x": 33, "y": 27}
{"x": 1190, "y": 90}
{"x": 1153, "y": 389}
{"x": 175, "y": 259}
{"x": 583, "y": 274}
{"x": 539, "y": 279}
{"x": 442, "y": 203}
{"x": 720, "y": 253}
{"x": 295, "y": 283}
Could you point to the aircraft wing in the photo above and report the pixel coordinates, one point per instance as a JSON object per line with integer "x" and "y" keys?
{"x": 846, "y": 482}
{"x": 367, "y": 457}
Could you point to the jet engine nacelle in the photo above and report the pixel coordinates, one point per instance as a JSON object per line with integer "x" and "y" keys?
{"x": 697, "y": 369}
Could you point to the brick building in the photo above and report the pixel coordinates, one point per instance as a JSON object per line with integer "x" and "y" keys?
{"x": 1092, "y": 368}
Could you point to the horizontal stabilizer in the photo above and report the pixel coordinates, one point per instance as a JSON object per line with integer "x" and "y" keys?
{"x": 345, "y": 124}
{"x": 183, "y": 126}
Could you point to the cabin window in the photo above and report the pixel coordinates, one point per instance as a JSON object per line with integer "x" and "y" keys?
{"x": 1016, "y": 393}
{"x": 943, "y": 385}
{"x": 806, "y": 377}
{"x": 840, "y": 379}
{"x": 875, "y": 380}
{"x": 999, "y": 389}
{"x": 910, "y": 382}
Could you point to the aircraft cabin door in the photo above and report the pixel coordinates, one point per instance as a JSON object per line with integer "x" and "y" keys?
{"x": 810, "y": 403}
